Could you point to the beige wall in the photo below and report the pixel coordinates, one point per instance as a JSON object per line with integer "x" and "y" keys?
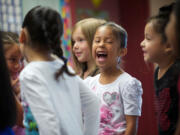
{"x": 156, "y": 4}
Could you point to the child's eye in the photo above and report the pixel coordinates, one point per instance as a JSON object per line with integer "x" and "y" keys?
{"x": 12, "y": 60}
{"x": 81, "y": 40}
{"x": 109, "y": 41}
{"x": 96, "y": 41}
{"x": 147, "y": 38}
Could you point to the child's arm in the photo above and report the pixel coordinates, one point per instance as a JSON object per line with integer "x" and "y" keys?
{"x": 131, "y": 125}
{"x": 90, "y": 107}
{"x": 132, "y": 101}
{"x": 16, "y": 87}
{"x": 19, "y": 120}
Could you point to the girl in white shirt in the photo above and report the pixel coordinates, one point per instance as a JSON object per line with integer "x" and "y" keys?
{"x": 53, "y": 98}
{"x": 119, "y": 92}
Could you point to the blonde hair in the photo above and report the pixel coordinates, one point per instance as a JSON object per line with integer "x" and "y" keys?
{"x": 88, "y": 27}
{"x": 9, "y": 39}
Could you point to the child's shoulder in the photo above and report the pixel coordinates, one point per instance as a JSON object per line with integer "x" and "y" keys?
{"x": 91, "y": 80}
{"x": 127, "y": 78}
{"x": 127, "y": 81}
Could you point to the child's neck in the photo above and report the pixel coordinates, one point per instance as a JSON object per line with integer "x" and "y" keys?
{"x": 34, "y": 55}
{"x": 90, "y": 68}
{"x": 109, "y": 75}
{"x": 164, "y": 66}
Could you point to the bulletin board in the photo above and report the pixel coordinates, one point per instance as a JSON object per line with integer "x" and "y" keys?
{"x": 11, "y": 15}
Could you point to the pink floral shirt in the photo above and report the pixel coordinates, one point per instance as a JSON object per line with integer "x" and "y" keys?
{"x": 119, "y": 98}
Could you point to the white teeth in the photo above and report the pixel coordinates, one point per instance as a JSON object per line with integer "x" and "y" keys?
{"x": 101, "y": 54}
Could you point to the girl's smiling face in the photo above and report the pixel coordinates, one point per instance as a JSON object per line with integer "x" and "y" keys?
{"x": 152, "y": 45}
{"x": 106, "y": 48}
{"x": 14, "y": 60}
{"x": 81, "y": 47}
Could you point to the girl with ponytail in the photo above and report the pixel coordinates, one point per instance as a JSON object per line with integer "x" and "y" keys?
{"x": 53, "y": 97}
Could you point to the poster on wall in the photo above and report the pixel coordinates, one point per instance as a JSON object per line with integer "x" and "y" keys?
{"x": 66, "y": 40}
{"x": 86, "y": 13}
{"x": 11, "y": 15}
{"x": 93, "y": 12}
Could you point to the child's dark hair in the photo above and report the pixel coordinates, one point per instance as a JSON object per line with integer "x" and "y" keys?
{"x": 7, "y": 98}
{"x": 45, "y": 27}
{"x": 161, "y": 19}
{"x": 119, "y": 32}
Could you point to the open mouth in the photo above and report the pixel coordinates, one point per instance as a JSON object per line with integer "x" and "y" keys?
{"x": 102, "y": 55}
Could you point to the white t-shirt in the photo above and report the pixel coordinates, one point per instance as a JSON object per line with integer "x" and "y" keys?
{"x": 57, "y": 105}
{"x": 119, "y": 98}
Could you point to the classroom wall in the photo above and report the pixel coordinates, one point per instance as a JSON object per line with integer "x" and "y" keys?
{"x": 28, "y": 4}
{"x": 155, "y": 4}
{"x": 133, "y": 18}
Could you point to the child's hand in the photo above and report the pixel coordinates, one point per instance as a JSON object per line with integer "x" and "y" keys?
{"x": 16, "y": 86}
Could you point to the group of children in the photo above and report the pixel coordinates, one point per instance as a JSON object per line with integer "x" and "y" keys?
{"x": 108, "y": 102}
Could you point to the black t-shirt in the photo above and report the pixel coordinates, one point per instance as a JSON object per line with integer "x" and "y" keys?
{"x": 166, "y": 100}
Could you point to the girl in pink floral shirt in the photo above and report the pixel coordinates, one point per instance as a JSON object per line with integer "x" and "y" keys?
{"x": 119, "y": 92}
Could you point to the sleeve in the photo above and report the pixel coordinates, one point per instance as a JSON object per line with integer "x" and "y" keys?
{"x": 132, "y": 98}
{"x": 90, "y": 108}
{"x": 87, "y": 81}
{"x": 39, "y": 100}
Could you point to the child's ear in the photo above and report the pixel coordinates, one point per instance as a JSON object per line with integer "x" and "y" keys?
{"x": 22, "y": 36}
{"x": 123, "y": 52}
{"x": 169, "y": 48}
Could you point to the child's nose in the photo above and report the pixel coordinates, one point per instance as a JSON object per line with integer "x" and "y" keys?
{"x": 142, "y": 43}
{"x": 75, "y": 45}
{"x": 101, "y": 44}
{"x": 18, "y": 65}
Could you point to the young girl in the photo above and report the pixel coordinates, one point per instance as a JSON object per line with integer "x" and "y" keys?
{"x": 82, "y": 38}
{"x": 14, "y": 63}
{"x": 120, "y": 93}
{"x": 54, "y": 99}
{"x": 157, "y": 50}
{"x": 13, "y": 58}
{"x": 7, "y": 98}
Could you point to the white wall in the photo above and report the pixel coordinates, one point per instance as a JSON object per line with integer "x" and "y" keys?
{"x": 156, "y": 4}
{"x": 28, "y": 4}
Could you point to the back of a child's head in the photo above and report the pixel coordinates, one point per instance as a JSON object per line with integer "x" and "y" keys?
{"x": 45, "y": 28}
{"x": 9, "y": 39}
{"x": 119, "y": 32}
{"x": 88, "y": 27}
{"x": 160, "y": 20}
